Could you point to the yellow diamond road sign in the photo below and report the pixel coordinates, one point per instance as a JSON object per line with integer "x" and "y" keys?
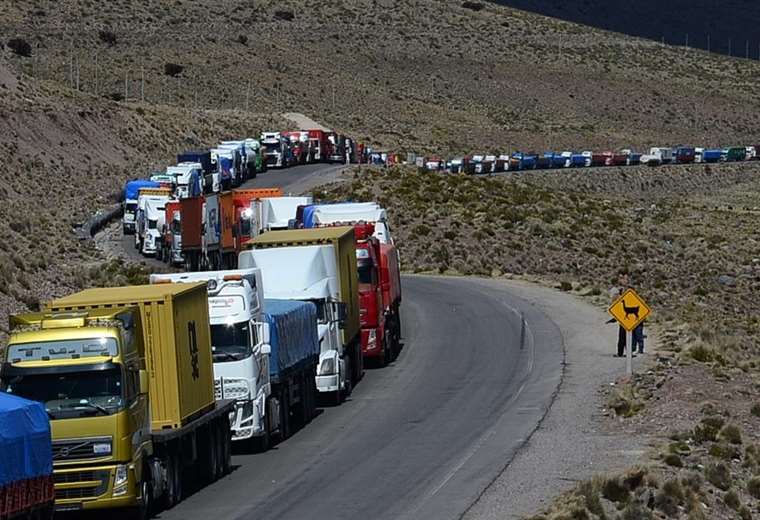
{"x": 629, "y": 310}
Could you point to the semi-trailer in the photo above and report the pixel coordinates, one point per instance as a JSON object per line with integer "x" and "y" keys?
{"x": 318, "y": 266}
{"x": 131, "y": 194}
{"x": 26, "y": 459}
{"x": 126, "y": 376}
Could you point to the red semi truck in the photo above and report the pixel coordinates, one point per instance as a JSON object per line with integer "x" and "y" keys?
{"x": 379, "y": 296}
{"x": 320, "y": 144}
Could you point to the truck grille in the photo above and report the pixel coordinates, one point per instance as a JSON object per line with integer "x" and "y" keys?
{"x": 217, "y": 389}
{"x": 76, "y": 449}
{"x": 91, "y": 484}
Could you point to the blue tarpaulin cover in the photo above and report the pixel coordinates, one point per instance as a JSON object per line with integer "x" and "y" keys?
{"x": 292, "y": 333}
{"x": 25, "y": 446}
{"x": 132, "y": 188}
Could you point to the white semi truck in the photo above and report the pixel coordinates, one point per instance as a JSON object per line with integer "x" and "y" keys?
{"x": 240, "y": 345}
{"x": 150, "y": 218}
{"x": 318, "y": 266}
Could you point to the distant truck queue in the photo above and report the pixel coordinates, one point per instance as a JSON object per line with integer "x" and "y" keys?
{"x": 146, "y": 388}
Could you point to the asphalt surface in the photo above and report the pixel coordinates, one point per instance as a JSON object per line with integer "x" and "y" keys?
{"x": 422, "y": 438}
{"x": 419, "y": 439}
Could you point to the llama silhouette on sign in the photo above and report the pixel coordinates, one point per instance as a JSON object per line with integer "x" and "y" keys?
{"x": 631, "y": 311}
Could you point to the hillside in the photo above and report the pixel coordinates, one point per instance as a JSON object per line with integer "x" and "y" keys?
{"x": 729, "y": 24}
{"x": 67, "y": 155}
{"x": 411, "y": 74}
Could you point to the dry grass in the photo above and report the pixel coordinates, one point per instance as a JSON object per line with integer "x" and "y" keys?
{"x": 687, "y": 235}
{"x": 411, "y": 74}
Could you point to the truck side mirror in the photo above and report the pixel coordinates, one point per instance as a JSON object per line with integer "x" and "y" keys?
{"x": 266, "y": 349}
{"x": 264, "y": 333}
{"x": 341, "y": 313}
{"x": 144, "y": 381}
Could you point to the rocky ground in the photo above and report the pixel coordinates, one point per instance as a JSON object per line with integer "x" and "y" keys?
{"x": 67, "y": 155}
{"x": 688, "y": 236}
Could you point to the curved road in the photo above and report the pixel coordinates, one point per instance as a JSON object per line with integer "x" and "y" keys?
{"x": 421, "y": 438}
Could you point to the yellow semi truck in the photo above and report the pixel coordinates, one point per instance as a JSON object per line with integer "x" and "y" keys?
{"x": 127, "y": 379}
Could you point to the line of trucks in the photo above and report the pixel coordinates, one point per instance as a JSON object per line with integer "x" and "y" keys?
{"x": 656, "y": 156}
{"x": 231, "y": 163}
{"x": 147, "y": 387}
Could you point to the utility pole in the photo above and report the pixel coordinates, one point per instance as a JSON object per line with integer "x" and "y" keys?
{"x": 142, "y": 84}
{"x": 126, "y": 86}
{"x": 247, "y": 95}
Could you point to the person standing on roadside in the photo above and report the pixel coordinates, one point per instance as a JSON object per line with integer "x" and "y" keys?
{"x": 615, "y": 293}
{"x": 637, "y": 339}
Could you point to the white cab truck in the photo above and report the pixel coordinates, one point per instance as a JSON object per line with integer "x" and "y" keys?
{"x": 266, "y": 400}
{"x": 239, "y": 343}
{"x": 150, "y": 218}
{"x": 318, "y": 266}
{"x": 188, "y": 177}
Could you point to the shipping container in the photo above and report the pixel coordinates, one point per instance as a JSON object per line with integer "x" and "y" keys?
{"x": 176, "y": 342}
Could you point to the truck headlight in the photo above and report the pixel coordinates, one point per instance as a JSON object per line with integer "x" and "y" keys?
{"x": 235, "y": 389}
{"x": 326, "y": 367}
{"x": 121, "y": 480}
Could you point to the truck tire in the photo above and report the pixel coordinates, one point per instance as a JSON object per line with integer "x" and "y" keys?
{"x": 262, "y": 443}
{"x": 212, "y": 448}
{"x": 388, "y": 347}
{"x": 284, "y": 415}
{"x": 226, "y": 452}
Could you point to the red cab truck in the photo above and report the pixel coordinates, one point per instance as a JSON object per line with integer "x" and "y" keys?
{"x": 320, "y": 145}
{"x": 379, "y": 296}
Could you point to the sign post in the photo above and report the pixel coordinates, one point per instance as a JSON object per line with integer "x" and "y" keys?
{"x": 629, "y": 310}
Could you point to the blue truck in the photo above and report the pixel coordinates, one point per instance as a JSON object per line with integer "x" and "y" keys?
{"x": 26, "y": 460}
{"x": 293, "y": 359}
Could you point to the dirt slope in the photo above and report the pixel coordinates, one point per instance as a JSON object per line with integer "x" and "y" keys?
{"x": 67, "y": 155}
{"x": 423, "y": 74}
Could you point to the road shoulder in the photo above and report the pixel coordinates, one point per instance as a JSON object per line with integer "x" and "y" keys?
{"x": 570, "y": 443}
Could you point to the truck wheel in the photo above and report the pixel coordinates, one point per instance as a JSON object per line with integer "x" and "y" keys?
{"x": 284, "y": 416}
{"x": 213, "y": 464}
{"x": 387, "y": 346}
{"x": 262, "y": 443}
{"x": 144, "y": 510}
{"x": 226, "y": 451}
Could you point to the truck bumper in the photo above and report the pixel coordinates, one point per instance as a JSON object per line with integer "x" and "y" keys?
{"x": 85, "y": 488}
{"x": 246, "y": 421}
{"x": 329, "y": 383}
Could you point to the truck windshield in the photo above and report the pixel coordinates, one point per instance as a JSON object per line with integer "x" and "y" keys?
{"x": 272, "y": 148}
{"x": 69, "y": 394}
{"x": 231, "y": 342}
{"x": 131, "y": 207}
{"x": 152, "y": 224}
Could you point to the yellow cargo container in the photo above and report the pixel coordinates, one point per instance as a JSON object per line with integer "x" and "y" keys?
{"x": 177, "y": 341}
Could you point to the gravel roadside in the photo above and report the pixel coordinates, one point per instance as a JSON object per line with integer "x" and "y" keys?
{"x": 571, "y": 443}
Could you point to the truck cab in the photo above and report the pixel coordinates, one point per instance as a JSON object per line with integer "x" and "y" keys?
{"x": 150, "y": 218}
{"x": 131, "y": 194}
{"x": 171, "y": 235}
{"x": 277, "y": 151}
{"x": 188, "y": 178}
{"x": 239, "y": 343}
{"x": 223, "y": 161}
{"x": 86, "y": 368}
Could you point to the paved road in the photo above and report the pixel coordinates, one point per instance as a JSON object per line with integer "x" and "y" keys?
{"x": 420, "y": 439}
